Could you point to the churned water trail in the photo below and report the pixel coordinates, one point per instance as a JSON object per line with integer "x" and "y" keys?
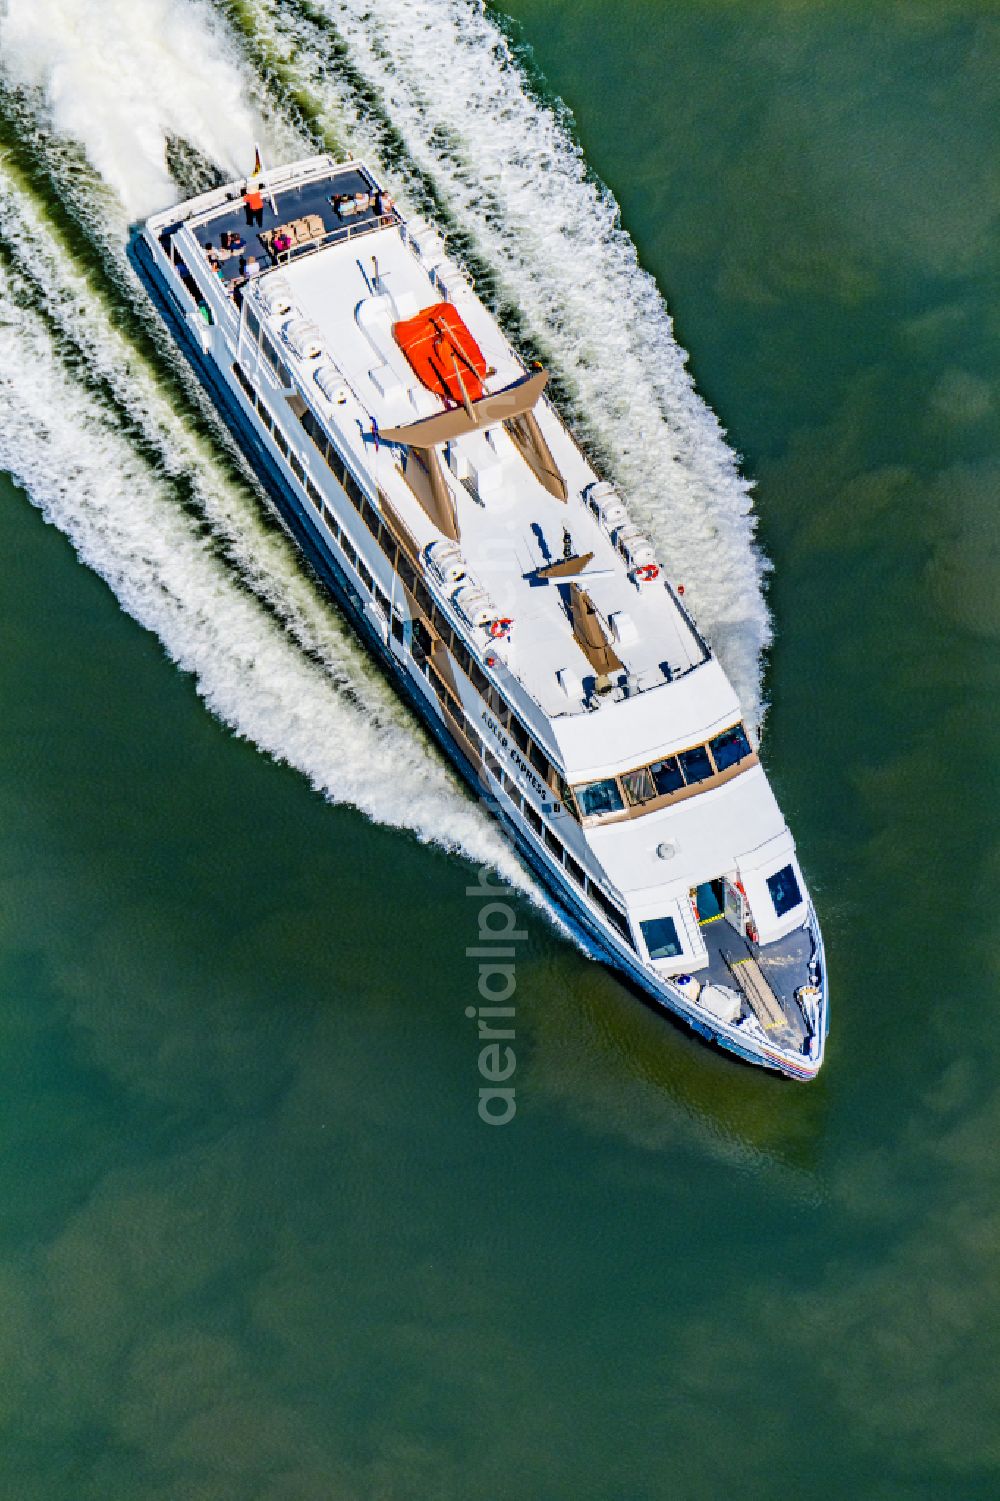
{"x": 94, "y": 436}
{"x": 120, "y": 77}
{"x": 438, "y": 82}
{"x": 123, "y": 516}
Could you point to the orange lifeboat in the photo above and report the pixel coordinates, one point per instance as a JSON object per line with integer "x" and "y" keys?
{"x": 444, "y": 355}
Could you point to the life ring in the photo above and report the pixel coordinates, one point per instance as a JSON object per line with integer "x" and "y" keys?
{"x": 499, "y": 628}
{"x": 647, "y": 573}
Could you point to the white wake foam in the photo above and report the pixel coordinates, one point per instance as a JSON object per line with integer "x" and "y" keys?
{"x": 230, "y": 604}
{"x": 511, "y": 176}
{"x": 118, "y": 76}
{"x": 124, "y": 521}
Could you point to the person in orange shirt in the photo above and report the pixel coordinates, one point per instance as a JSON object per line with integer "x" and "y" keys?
{"x": 254, "y": 200}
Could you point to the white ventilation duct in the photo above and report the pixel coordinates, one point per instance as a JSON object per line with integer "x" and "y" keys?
{"x": 570, "y": 683}
{"x": 623, "y": 628}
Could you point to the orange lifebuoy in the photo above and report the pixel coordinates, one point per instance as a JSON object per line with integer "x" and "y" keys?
{"x": 647, "y": 573}
{"x": 500, "y": 628}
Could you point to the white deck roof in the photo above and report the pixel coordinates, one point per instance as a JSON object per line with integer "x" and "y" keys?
{"x": 721, "y": 830}
{"x": 510, "y": 524}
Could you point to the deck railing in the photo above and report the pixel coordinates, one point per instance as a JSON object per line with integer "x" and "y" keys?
{"x": 334, "y": 236}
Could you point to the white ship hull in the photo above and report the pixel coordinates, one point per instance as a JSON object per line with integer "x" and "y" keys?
{"x": 759, "y": 994}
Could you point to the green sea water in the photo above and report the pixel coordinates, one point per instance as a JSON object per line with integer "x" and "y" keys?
{"x": 256, "y": 1243}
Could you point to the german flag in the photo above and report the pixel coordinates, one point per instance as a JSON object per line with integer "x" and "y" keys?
{"x": 258, "y": 165}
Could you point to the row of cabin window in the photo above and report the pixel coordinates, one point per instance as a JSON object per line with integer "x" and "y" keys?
{"x": 422, "y": 644}
{"x": 359, "y": 500}
{"x": 258, "y": 337}
{"x": 532, "y": 817}
{"x": 418, "y": 589}
{"x": 281, "y": 442}
{"x": 368, "y": 512}
{"x": 661, "y": 778}
{"x": 496, "y": 703}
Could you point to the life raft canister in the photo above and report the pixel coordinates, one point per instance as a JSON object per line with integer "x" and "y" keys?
{"x": 647, "y": 573}
{"x": 499, "y": 627}
{"x": 443, "y": 353}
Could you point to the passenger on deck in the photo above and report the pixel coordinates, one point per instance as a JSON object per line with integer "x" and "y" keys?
{"x": 232, "y": 241}
{"x": 254, "y": 200}
{"x": 239, "y": 282}
{"x": 212, "y": 255}
{"x": 252, "y": 266}
{"x": 362, "y": 203}
{"x": 281, "y": 245}
{"x": 386, "y": 203}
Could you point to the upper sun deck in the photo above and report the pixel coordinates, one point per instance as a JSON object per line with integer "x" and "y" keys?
{"x": 348, "y": 284}
{"x": 305, "y": 190}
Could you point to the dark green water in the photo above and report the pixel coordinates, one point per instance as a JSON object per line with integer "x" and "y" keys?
{"x": 255, "y": 1241}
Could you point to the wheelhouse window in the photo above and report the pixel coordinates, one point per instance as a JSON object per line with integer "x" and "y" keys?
{"x": 784, "y": 889}
{"x": 639, "y": 786}
{"x": 660, "y": 937}
{"x": 596, "y": 799}
{"x": 674, "y": 774}
{"x": 696, "y": 764}
{"x": 667, "y": 776}
{"x": 730, "y": 747}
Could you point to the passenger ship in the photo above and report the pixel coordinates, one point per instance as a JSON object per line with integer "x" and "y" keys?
{"x": 437, "y": 494}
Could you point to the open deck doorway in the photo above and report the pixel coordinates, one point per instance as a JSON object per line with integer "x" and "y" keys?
{"x": 709, "y": 899}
